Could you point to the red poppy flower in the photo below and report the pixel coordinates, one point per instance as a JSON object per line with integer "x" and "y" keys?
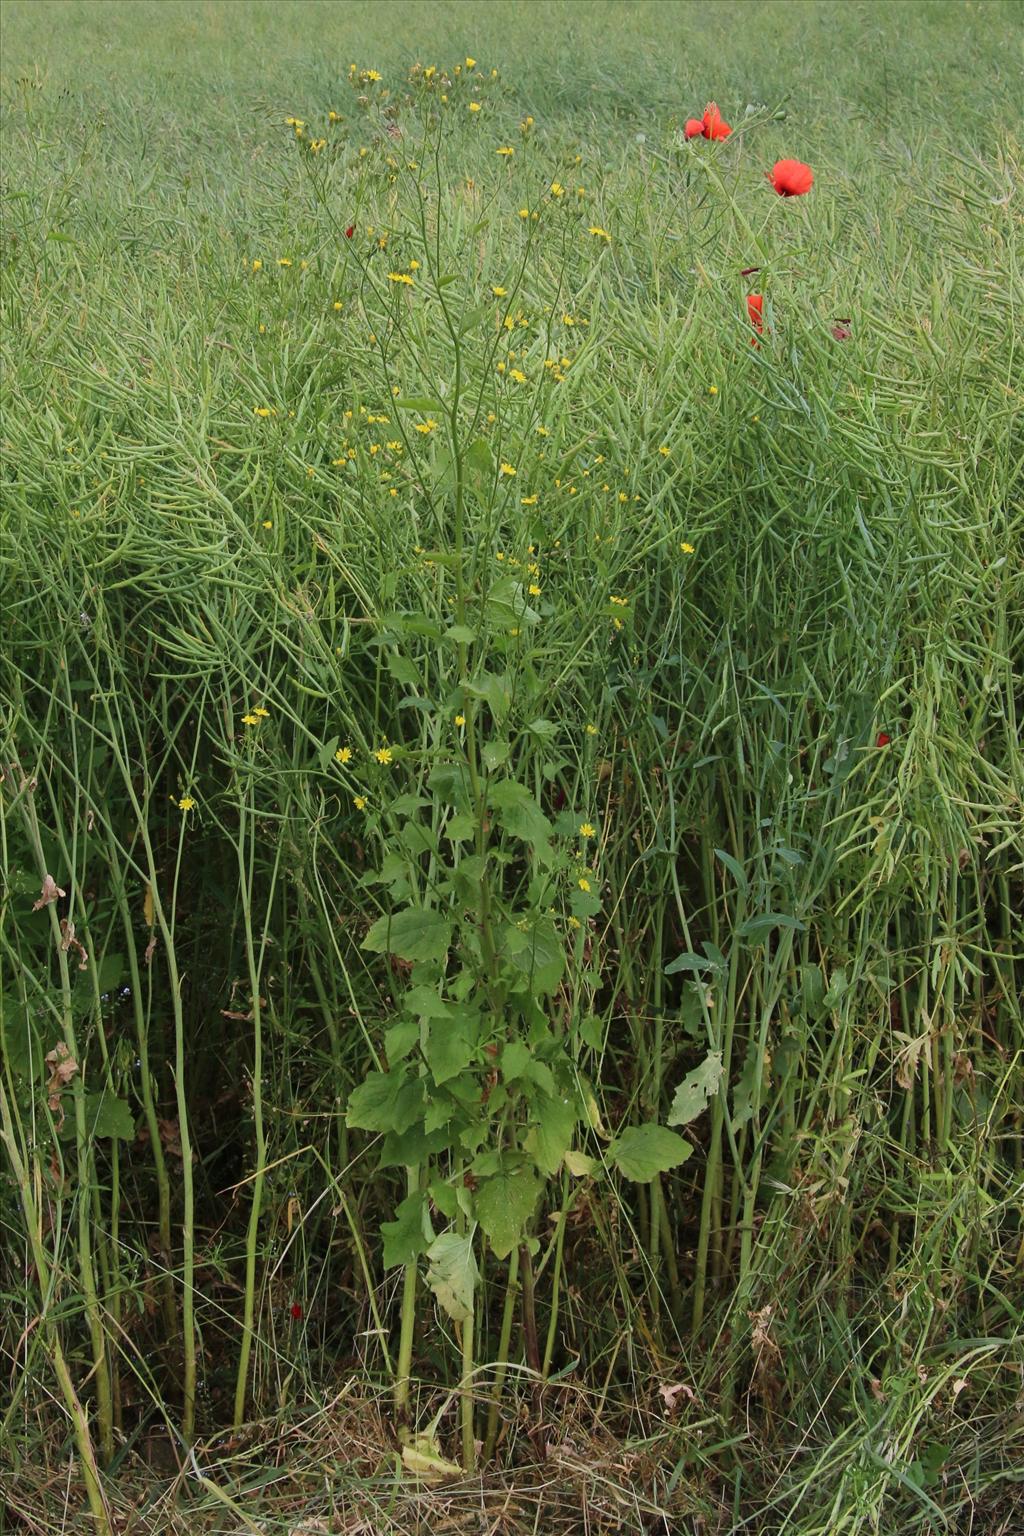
{"x": 755, "y": 306}
{"x": 791, "y": 178}
{"x": 883, "y": 739}
{"x": 350, "y": 232}
{"x": 296, "y": 1311}
{"x": 841, "y": 330}
{"x": 714, "y": 126}
{"x": 694, "y": 127}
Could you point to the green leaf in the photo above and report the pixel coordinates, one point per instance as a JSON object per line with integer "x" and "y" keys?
{"x": 385, "y": 1101}
{"x": 106, "y": 1115}
{"x": 453, "y": 1273}
{"x": 495, "y": 690}
{"x": 418, "y": 403}
{"x": 580, "y": 1165}
{"x": 758, "y": 928}
{"x": 415, "y": 933}
{"x": 451, "y": 1044}
{"x": 536, "y": 952}
{"x": 734, "y": 867}
{"x": 696, "y": 1088}
{"x": 543, "y": 729}
{"x": 403, "y": 670}
{"x": 549, "y": 1138}
{"x": 645, "y": 1150}
{"x": 460, "y": 634}
{"x": 688, "y": 961}
{"x": 400, "y": 1039}
{"x": 22, "y": 1043}
{"x": 494, "y": 753}
{"x": 461, "y": 828}
{"x": 518, "y": 812}
{"x": 504, "y": 1204}
{"x": 327, "y": 752}
{"x": 409, "y": 1235}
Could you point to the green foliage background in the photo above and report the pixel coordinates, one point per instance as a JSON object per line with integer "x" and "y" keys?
{"x": 799, "y": 944}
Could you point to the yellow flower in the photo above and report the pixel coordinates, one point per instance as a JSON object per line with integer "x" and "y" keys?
{"x": 295, "y": 122}
{"x": 401, "y": 277}
{"x": 533, "y": 589}
{"x": 284, "y": 261}
{"x": 687, "y": 549}
{"x": 508, "y": 469}
{"x": 474, "y": 106}
{"x": 518, "y": 375}
{"x": 261, "y": 713}
{"x": 337, "y": 304}
{"x": 257, "y": 265}
{"x": 250, "y": 719}
{"x": 526, "y": 124}
{"x": 557, "y": 190}
{"x": 430, "y": 425}
{"x": 506, "y": 150}
{"x": 267, "y": 523}
{"x": 460, "y": 719}
{"x": 586, "y": 830}
{"x": 343, "y": 755}
{"x": 595, "y": 229}
{"x": 499, "y": 293}
{"x": 334, "y": 117}
{"x": 529, "y": 501}
{"x": 414, "y": 265}
{"x": 574, "y": 922}
{"x": 470, "y": 63}
{"x": 359, "y": 801}
{"x": 583, "y": 883}
{"x": 316, "y": 145}
{"x": 713, "y": 389}
{"x": 524, "y": 213}
{"x": 371, "y": 75}
{"x": 383, "y": 755}
{"x": 664, "y": 450}
{"x": 543, "y": 432}
{"x": 186, "y": 803}
{"x": 261, "y": 410}
{"x": 591, "y": 730}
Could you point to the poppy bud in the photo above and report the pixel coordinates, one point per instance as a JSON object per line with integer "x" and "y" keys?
{"x": 350, "y": 232}
{"x": 296, "y": 1311}
{"x": 883, "y": 739}
{"x": 791, "y": 178}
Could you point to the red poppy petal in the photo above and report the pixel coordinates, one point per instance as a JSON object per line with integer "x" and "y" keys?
{"x": 883, "y": 739}
{"x": 693, "y": 128}
{"x": 791, "y": 178}
{"x": 350, "y": 232}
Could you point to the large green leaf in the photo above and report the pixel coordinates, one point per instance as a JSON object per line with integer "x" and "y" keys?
{"x": 107, "y": 1115}
{"x": 453, "y": 1274}
{"x": 451, "y": 1043}
{"x": 385, "y": 1101}
{"x": 410, "y": 1234}
{"x": 415, "y": 933}
{"x": 550, "y": 1136}
{"x": 695, "y": 1089}
{"x": 504, "y": 1204}
{"x": 519, "y": 813}
{"x": 645, "y": 1150}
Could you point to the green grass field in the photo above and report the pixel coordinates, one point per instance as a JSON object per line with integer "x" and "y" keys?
{"x": 510, "y": 945}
